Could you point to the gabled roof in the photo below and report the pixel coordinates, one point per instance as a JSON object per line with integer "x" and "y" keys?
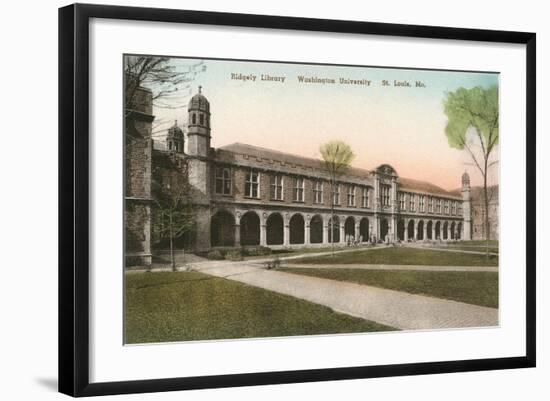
{"x": 309, "y": 165}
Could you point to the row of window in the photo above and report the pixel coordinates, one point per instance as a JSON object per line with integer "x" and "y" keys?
{"x": 448, "y": 207}
{"x": 252, "y": 188}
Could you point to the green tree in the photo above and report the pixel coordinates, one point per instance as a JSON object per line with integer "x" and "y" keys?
{"x": 337, "y": 157}
{"x": 473, "y": 125}
{"x": 173, "y": 209}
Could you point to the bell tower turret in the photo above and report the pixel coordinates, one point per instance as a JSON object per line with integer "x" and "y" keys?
{"x": 198, "y": 133}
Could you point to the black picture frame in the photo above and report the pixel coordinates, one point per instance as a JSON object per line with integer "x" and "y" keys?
{"x": 74, "y": 198}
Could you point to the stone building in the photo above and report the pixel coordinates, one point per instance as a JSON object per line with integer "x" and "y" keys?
{"x": 478, "y": 212}
{"x": 138, "y": 162}
{"x": 247, "y": 196}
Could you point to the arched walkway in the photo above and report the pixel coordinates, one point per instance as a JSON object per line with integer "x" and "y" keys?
{"x": 459, "y": 231}
{"x": 444, "y": 234}
{"x": 334, "y": 234}
{"x": 222, "y": 229}
{"x": 437, "y": 230}
{"x": 364, "y": 229}
{"x": 429, "y": 229}
{"x": 384, "y": 226}
{"x": 453, "y": 228}
{"x": 274, "y": 229}
{"x": 296, "y": 227}
{"x": 401, "y": 230}
{"x": 250, "y": 229}
{"x": 410, "y": 230}
{"x": 420, "y": 230}
{"x": 349, "y": 227}
{"x": 316, "y": 230}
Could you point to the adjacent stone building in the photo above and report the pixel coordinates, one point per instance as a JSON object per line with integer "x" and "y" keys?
{"x": 246, "y": 195}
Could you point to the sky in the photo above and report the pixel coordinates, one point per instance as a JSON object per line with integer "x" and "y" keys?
{"x": 403, "y": 126}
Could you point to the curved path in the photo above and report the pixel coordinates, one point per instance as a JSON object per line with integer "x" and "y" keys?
{"x": 393, "y": 308}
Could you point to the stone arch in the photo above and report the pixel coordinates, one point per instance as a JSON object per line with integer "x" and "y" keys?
{"x": 445, "y": 230}
{"x": 410, "y": 230}
{"x": 296, "y": 227}
{"x": 274, "y": 229}
{"x": 384, "y": 228}
{"x": 222, "y": 229}
{"x": 438, "y": 230}
{"x": 349, "y": 226}
{"x": 316, "y": 229}
{"x": 459, "y": 231}
{"x": 429, "y": 229}
{"x": 250, "y": 228}
{"x": 453, "y": 227}
{"x": 401, "y": 230}
{"x": 364, "y": 229}
{"x": 420, "y": 230}
{"x": 334, "y": 234}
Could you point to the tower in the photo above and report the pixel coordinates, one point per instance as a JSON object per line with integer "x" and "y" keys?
{"x": 175, "y": 138}
{"x": 466, "y": 206}
{"x": 198, "y": 133}
{"x": 198, "y": 150}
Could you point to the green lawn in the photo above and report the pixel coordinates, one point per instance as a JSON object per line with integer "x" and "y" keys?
{"x": 478, "y": 288}
{"x": 471, "y": 248}
{"x": 403, "y": 256}
{"x": 161, "y": 307}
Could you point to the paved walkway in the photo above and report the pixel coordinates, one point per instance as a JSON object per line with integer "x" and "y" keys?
{"x": 393, "y": 308}
{"x": 447, "y": 249}
{"x": 395, "y": 267}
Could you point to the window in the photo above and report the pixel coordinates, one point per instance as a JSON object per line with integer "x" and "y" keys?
{"x": 421, "y": 203}
{"x": 318, "y": 192}
{"x": 276, "y": 186}
{"x": 453, "y": 208}
{"x": 438, "y": 206}
{"x": 351, "y": 195}
{"x": 194, "y": 118}
{"x": 298, "y": 189}
{"x": 446, "y": 205}
{"x": 431, "y": 204}
{"x": 411, "y": 202}
{"x": 385, "y": 189}
{"x": 460, "y": 209}
{"x": 336, "y": 194}
{"x": 365, "y": 200}
{"x": 201, "y": 118}
{"x": 223, "y": 180}
{"x": 402, "y": 205}
{"x": 252, "y": 187}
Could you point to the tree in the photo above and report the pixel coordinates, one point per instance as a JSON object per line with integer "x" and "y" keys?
{"x": 174, "y": 213}
{"x": 337, "y": 157}
{"x": 475, "y": 111}
{"x": 168, "y": 82}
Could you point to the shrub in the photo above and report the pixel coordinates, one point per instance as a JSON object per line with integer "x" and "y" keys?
{"x": 215, "y": 255}
{"x": 257, "y": 251}
{"x": 234, "y": 254}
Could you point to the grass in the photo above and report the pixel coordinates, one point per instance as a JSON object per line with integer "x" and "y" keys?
{"x": 478, "y": 288}
{"x": 166, "y": 306}
{"x": 470, "y": 248}
{"x": 403, "y": 256}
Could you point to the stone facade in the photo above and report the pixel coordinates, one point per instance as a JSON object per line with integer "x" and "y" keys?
{"x": 138, "y": 172}
{"x": 478, "y": 213}
{"x": 247, "y": 196}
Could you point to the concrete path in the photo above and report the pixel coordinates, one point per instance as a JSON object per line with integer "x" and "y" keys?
{"x": 393, "y": 308}
{"x": 395, "y": 267}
